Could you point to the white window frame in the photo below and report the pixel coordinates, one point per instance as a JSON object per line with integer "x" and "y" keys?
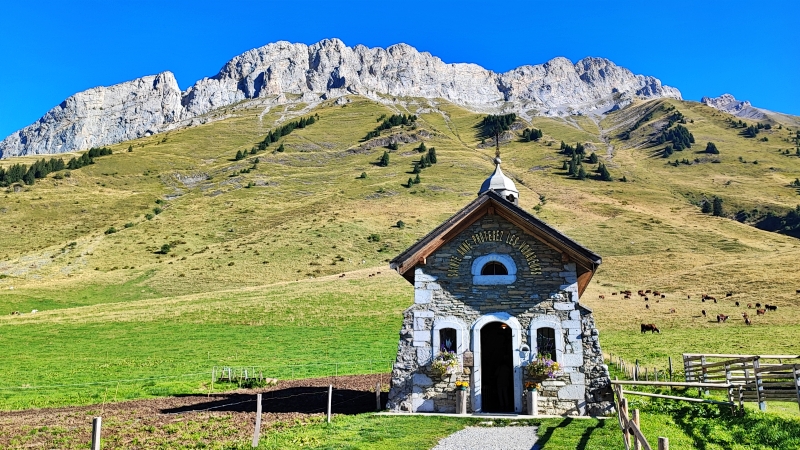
{"x": 494, "y": 280}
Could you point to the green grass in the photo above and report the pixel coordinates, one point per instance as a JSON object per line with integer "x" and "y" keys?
{"x": 252, "y": 277}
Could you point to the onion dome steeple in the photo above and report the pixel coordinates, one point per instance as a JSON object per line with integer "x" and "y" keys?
{"x": 500, "y": 183}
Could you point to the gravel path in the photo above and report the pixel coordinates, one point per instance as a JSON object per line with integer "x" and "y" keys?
{"x": 487, "y": 438}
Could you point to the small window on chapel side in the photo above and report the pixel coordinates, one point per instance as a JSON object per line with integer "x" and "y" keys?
{"x": 494, "y": 268}
{"x": 447, "y": 340}
{"x": 546, "y": 342}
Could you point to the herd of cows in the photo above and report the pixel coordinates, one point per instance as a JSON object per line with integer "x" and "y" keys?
{"x": 721, "y": 318}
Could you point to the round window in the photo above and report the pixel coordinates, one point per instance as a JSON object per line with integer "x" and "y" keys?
{"x": 494, "y": 268}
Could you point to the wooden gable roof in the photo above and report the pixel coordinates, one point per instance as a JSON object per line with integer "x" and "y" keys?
{"x": 491, "y": 203}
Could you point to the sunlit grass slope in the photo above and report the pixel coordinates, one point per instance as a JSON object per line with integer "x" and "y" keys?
{"x": 251, "y": 276}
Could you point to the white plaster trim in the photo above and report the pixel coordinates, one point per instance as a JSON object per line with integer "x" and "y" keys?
{"x": 494, "y": 280}
{"x": 462, "y": 337}
{"x": 516, "y": 341}
{"x": 547, "y": 321}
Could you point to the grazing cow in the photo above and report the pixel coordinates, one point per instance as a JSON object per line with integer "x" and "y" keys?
{"x": 708, "y": 297}
{"x": 721, "y": 318}
{"x": 771, "y": 307}
{"x": 641, "y": 293}
{"x": 646, "y": 299}
{"x": 737, "y": 303}
{"x": 650, "y": 327}
{"x": 656, "y": 293}
{"x": 761, "y": 312}
{"x": 16, "y": 313}
{"x": 648, "y": 291}
{"x": 663, "y": 296}
{"x": 704, "y": 312}
{"x": 729, "y": 294}
{"x": 672, "y": 310}
{"x": 656, "y": 300}
{"x": 746, "y": 319}
{"x": 602, "y": 297}
{"x": 613, "y": 293}
{"x": 627, "y": 297}
{"x": 758, "y": 305}
{"x": 703, "y": 300}
{"x": 647, "y": 306}
{"x": 750, "y": 305}
{"x": 688, "y": 297}
{"x": 341, "y": 276}
{"x": 797, "y": 291}
{"x": 715, "y": 300}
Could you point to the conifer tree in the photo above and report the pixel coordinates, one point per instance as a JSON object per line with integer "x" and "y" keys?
{"x": 410, "y": 182}
{"x": 581, "y": 173}
{"x": 717, "y": 207}
{"x": 432, "y": 155}
{"x": 384, "y": 159}
{"x": 417, "y": 180}
{"x": 705, "y": 206}
{"x": 712, "y": 149}
{"x": 593, "y": 158}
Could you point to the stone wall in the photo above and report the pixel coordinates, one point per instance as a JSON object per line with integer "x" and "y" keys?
{"x": 544, "y": 288}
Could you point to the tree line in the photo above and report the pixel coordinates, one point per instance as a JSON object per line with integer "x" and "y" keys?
{"x": 425, "y": 161}
{"x": 391, "y": 122}
{"x": 492, "y": 125}
{"x": 529, "y": 135}
{"x": 275, "y": 135}
{"x": 679, "y": 137}
{"x": 42, "y": 167}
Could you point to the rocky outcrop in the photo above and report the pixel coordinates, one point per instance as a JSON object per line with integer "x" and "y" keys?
{"x": 101, "y": 116}
{"x": 728, "y": 104}
{"x": 330, "y": 69}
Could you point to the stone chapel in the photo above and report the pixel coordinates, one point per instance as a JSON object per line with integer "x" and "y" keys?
{"x": 497, "y": 286}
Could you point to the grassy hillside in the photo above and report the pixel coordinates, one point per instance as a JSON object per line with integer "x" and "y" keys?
{"x": 256, "y": 249}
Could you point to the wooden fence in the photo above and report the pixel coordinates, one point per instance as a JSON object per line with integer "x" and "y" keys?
{"x": 631, "y": 432}
{"x": 752, "y": 378}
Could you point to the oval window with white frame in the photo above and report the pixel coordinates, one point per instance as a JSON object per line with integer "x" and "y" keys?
{"x": 494, "y": 269}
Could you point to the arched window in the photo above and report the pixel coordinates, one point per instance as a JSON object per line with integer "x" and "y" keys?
{"x": 448, "y": 341}
{"x": 494, "y": 268}
{"x": 546, "y": 342}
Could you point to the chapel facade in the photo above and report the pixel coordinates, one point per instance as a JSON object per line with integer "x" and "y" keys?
{"x": 497, "y": 287}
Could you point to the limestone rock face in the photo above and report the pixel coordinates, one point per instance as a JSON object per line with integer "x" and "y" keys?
{"x": 101, "y": 116}
{"x": 330, "y": 69}
{"x": 728, "y": 104}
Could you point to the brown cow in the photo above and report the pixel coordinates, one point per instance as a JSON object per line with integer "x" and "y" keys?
{"x": 721, "y": 318}
{"x": 648, "y": 291}
{"x": 656, "y": 293}
{"x": 750, "y": 305}
{"x": 672, "y": 310}
{"x": 761, "y": 312}
{"x": 627, "y": 297}
{"x": 746, "y": 319}
{"x": 650, "y": 327}
{"x": 602, "y": 297}
{"x": 613, "y": 293}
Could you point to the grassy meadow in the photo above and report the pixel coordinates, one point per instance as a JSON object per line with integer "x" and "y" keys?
{"x": 252, "y": 277}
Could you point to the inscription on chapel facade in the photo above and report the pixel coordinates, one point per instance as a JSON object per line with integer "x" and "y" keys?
{"x": 514, "y": 240}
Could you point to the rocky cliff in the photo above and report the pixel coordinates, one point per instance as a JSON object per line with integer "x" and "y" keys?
{"x": 328, "y": 69}
{"x": 728, "y": 104}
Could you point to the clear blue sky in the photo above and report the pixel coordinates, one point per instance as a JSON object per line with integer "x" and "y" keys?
{"x": 51, "y": 50}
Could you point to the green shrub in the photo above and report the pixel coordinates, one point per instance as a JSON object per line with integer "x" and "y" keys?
{"x": 111, "y": 230}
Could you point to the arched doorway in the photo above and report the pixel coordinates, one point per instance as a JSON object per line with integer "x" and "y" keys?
{"x": 498, "y": 345}
{"x": 497, "y": 366}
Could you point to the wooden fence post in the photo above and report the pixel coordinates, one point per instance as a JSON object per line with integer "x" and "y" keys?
{"x": 762, "y": 404}
{"x": 663, "y": 443}
{"x": 741, "y": 400}
{"x": 670, "y": 367}
{"x": 635, "y": 419}
{"x": 636, "y": 371}
{"x": 728, "y": 380}
{"x": 704, "y": 371}
{"x": 797, "y": 382}
{"x": 257, "y": 431}
{"x": 330, "y": 399}
{"x": 96, "y": 424}
{"x": 378, "y": 396}
{"x": 626, "y": 432}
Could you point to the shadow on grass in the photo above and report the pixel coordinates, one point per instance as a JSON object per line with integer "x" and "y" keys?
{"x": 583, "y": 443}
{"x": 304, "y": 400}
{"x": 711, "y": 426}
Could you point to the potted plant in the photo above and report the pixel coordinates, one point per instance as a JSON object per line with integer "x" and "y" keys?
{"x": 543, "y": 368}
{"x": 462, "y": 385}
{"x": 445, "y": 363}
{"x": 530, "y": 386}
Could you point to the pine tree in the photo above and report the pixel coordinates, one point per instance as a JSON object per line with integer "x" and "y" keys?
{"x": 705, "y": 206}
{"x": 410, "y": 182}
{"x": 712, "y": 149}
{"x": 581, "y": 174}
{"x": 603, "y": 173}
{"x": 416, "y": 167}
{"x": 432, "y": 155}
{"x": 384, "y": 160}
{"x": 417, "y": 180}
{"x": 565, "y": 166}
{"x": 593, "y": 158}
{"x": 422, "y": 148}
{"x": 717, "y": 207}
{"x": 280, "y": 148}
{"x": 239, "y": 155}
{"x": 130, "y": 148}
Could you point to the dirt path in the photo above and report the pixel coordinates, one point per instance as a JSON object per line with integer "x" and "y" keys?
{"x": 190, "y": 420}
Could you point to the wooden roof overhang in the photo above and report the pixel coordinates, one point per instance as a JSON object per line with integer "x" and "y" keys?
{"x": 490, "y": 203}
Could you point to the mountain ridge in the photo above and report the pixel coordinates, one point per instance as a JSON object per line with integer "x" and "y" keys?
{"x": 329, "y": 69}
